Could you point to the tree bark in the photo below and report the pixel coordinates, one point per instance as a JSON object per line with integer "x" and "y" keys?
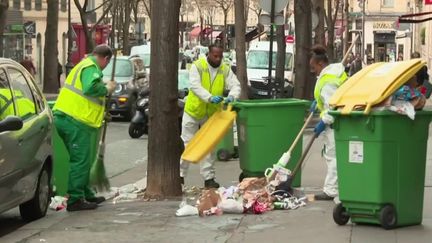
{"x": 331, "y": 20}
{"x": 240, "y": 30}
{"x": 126, "y": 24}
{"x": 318, "y": 7}
{"x": 346, "y": 30}
{"x": 50, "y": 78}
{"x": 164, "y": 145}
{"x": 225, "y": 31}
{"x": 4, "y": 6}
{"x": 303, "y": 32}
{"x": 280, "y": 58}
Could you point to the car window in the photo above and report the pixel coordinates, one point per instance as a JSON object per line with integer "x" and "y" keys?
{"x": 40, "y": 105}
{"x": 22, "y": 94}
{"x": 6, "y": 102}
{"x": 123, "y": 69}
{"x": 259, "y": 60}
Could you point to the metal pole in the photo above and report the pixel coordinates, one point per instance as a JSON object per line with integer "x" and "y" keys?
{"x": 69, "y": 64}
{"x": 271, "y": 80}
{"x": 363, "y": 32}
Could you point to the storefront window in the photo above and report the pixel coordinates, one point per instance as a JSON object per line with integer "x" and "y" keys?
{"x": 17, "y": 4}
{"x": 38, "y": 5}
{"x": 388, "y": 3}
{"x": 63, "y": 5}
{"x": 358, "y": 24}
{"x": 27, "y": 4}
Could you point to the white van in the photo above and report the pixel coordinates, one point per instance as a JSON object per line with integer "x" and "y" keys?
{"x": 257, "y": 68}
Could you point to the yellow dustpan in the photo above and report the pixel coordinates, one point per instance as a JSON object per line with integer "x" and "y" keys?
{"x": 373, "y": 84}
{"x": 209, "y": 135}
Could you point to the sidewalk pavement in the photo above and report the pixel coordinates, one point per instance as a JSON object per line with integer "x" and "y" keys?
{"x": 156, "y": 221}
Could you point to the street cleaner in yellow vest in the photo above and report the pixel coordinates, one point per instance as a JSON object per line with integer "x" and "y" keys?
{"x": 208, "y": 78}
{"x": 330, "y": 77}
{"x": 78, "y": 114}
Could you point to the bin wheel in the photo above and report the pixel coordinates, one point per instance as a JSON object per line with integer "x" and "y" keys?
{"x": 388, "y": 217}
{"x": 340, "y": 215}
{"x": 223, "y": 155}
{"x": 236, "y": 152}
{"x": 241, "y": 177}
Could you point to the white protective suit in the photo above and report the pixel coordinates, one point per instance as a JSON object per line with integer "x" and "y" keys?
{"x": 190, "y": 125}
{"x": 331, "y": 181}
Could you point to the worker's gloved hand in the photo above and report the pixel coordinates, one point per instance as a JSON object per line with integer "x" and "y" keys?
{"x": 111, "y": 85}
{"x": 319, "y": 128}
{"x": 228, "y": 100}
{"x": 216, "y": 99}
{"x": 313, "y": 106}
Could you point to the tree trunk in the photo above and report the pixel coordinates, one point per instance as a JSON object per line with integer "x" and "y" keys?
{"x": 4, "y": 6}
{"x": 280, "y": 61}
{"x": 87, "y": 32}
{"x": 225, "y": 33}
{"x": 164, "y": 145}
{"x": 50, "y": 78}
{"x": 330, "y": 31}
{"x": 303, "y": 32}
{"x": 318, "y": 7}
{"x": 127, "y": 20}
{"x": 240, "y": 37}
{"x": 346, "y": 30}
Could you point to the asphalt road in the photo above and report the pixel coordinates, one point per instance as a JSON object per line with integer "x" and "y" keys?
{"x": 122, "y": 154}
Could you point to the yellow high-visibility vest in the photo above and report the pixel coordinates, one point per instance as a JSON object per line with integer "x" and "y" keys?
{"x": 72, "y": 101}
{"x": 198, "y": 108}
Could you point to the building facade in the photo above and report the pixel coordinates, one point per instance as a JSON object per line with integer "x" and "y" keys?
{"x": 385, "y": 40}
{"x": 26, "y": 25}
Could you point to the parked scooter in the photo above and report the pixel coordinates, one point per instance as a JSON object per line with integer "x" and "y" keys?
{"x": 139, "y": 123}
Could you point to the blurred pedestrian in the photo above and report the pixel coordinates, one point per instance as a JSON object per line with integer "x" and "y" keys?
{"x": 356, "y": 65}
{"x": 27, "y": 63}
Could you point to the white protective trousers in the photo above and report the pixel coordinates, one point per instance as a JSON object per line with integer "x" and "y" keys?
{"x": 189, "y": 127}
{"x": 331, "y": 181}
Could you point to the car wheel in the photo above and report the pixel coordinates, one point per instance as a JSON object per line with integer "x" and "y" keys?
{"x": 136, "y": 130}
{"x": 37, "y": 207}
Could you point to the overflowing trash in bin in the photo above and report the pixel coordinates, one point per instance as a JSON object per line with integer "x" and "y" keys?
{"x": 375, "y": 140}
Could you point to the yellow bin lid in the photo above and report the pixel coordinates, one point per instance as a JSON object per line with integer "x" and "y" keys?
{"x": 373, "y": 84}
{"x": 209, "y": 135}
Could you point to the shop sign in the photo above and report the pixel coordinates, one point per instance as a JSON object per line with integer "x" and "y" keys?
{"x": 383, "y": 25}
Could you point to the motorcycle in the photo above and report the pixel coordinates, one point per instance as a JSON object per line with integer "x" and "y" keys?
{"x": 139, "y": 123}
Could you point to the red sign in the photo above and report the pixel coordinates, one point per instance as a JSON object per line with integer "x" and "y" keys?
{"x": 290, "y": 39}
{"x": 428, "y": 2}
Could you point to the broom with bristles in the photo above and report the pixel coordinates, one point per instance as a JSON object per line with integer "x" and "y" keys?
{"x": 98, "y": 177}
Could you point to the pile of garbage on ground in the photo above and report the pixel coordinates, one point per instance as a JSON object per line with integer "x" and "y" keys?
{"x": 251, "y": 196}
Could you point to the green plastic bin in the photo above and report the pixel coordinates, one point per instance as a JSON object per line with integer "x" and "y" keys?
{"x": 381, "y": 160}
{"x": 266, "y": 129}
{"x": 226, "y": 149}
{"x": 61, "y": 158}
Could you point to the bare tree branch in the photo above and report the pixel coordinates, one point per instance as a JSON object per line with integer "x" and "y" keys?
{"x": 100, "y": 6}
{"x": 102, "y": 17}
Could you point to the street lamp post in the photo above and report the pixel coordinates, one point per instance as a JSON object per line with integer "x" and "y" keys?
{"x": 69, "y": 64}
{"x": 363, "y": 31}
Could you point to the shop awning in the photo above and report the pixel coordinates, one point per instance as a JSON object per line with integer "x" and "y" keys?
{"x": 195, "y": 32}
{"x": 415, "y": 18}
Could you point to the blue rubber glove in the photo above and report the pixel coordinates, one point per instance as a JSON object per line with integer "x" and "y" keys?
{"x": 228, "y": 100}
{"x": 216, "y": 99}
{"x": 319, "y": 128}
{"x": 313, "y": 106}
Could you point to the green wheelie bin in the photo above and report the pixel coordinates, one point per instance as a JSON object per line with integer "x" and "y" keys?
{"x": 61, "y": 158}
{"x": 266, "y": 129}
{"x": 226, "y": 149}
{"x": 381, "y": 162}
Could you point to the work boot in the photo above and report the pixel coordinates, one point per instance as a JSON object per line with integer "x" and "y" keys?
{"x": 323, "y": 197}
{"x": 81, "y": 205}
{"x": 182, "y": 180}
{"x": 97, "y": 200}
{"x": 211, "y": 184}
